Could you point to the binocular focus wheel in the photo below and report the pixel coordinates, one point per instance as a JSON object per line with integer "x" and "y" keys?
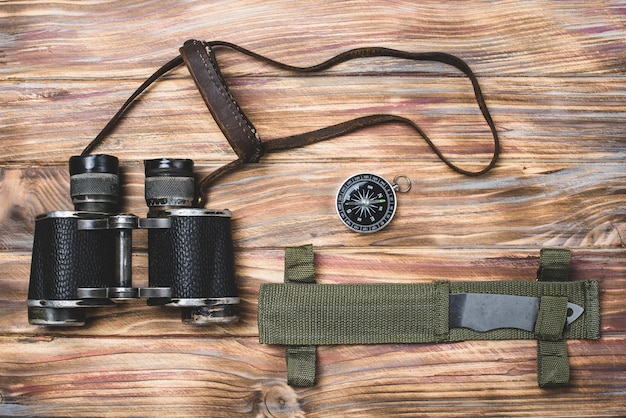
{"x": 155, "y": 292}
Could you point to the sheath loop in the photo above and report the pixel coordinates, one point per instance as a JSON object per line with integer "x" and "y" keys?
{"x": 551, "y": 318}
{"x": 552, "y": 358}
{"x": 301, "y": 365}
{"x": 553, "y": 265}
{"x": 301, "y": 359}
{"x": 552, "y": 364}
{"x": 299, "y": 266}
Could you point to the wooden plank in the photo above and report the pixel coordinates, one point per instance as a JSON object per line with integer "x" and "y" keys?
{"x": 333, "y": 265}
{"x": 273, "y": 205}
{"x": 149, "y": 377}
{"x": 511, "y": 38}
{"x": 44, "y": 122}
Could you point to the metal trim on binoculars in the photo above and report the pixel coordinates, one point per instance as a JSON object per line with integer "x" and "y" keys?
{"x": 166, "y": 222}
{"x": 191, "y": 302}
{"x": 110, "y": 222}
{"x": 83, "y": 258}
{"x": 115, "y": 292}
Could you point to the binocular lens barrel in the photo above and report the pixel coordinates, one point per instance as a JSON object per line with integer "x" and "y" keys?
{"x": 94, "y": 182}
{"x": 169, "y": 184}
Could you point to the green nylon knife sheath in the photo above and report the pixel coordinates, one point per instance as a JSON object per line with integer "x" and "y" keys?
{"x": 327, "y": 314}
{"x": 301, "y": 314}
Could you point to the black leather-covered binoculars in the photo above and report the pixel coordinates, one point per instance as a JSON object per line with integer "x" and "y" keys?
{"x": 83, "y": 258}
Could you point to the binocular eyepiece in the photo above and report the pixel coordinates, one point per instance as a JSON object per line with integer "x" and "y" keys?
{"x": 83, "y": 258}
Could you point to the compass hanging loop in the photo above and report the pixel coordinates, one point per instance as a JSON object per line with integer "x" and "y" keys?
{"x": 401, "y": 183}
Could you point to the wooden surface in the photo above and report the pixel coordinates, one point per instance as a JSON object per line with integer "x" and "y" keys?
{"x": 553, "y": 77}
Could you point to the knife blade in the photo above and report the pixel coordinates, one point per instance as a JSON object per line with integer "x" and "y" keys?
{"x": 487, "y": 311}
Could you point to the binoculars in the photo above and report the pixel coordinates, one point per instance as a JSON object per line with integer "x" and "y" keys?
{"x": 83, "y": 258}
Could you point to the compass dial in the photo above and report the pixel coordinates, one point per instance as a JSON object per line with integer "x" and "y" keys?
{"x": 366, "y": 202}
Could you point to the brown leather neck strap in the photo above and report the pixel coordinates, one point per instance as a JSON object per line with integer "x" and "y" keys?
{"x": 240, "y": 132}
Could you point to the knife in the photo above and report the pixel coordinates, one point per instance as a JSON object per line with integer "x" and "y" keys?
{"x": 486, "y": 311}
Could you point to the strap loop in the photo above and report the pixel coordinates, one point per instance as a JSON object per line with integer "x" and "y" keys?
{"x": 301, "y": 359}
{"x": 551, "y": 318}
{"x": 553, "y": 265}
{"x": 552, "y": 358}
{"x": 299, "y": 266}
{"x": 301, "y": 365}
{"x": 552, "y": 364}
{"x": 367, "y": 121}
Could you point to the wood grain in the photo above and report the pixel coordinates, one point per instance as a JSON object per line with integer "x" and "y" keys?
{"x": 88, "y": 40}
{"x": 553, "y": 78}
{"x": 86, "y": 377}
{"x": 537, "y": 118}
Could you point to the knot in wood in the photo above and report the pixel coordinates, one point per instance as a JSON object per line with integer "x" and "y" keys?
{"x": 281, "y": 401}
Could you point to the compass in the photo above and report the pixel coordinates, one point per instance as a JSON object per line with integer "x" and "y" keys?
{"x": 366, "y": 202}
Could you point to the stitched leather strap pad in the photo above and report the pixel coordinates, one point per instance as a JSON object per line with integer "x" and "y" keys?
{"x": 237, "y": 128}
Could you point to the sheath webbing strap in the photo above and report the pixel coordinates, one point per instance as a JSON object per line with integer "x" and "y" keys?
{"x": 301, "y": 360}
{"x": 552, "y": 358}
{"x": 299, "y": 266}
{"x": 551, "y": 318}
{"x": 552, "y": 363}
{"x": 553, "y": 265}
{"x": 301, "y": 316}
